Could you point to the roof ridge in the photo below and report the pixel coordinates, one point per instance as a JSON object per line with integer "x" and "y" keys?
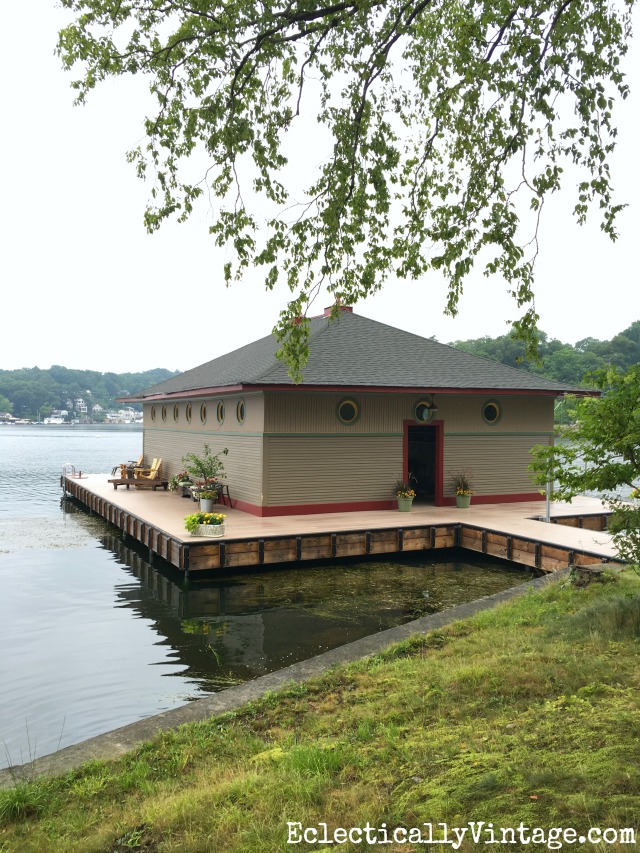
{"x": 322, "y": 328}
{"x": 356, "y": 350}
{"x": 518, "y": 370}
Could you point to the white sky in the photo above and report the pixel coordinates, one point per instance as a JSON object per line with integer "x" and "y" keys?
{"x": 78, "y": 271}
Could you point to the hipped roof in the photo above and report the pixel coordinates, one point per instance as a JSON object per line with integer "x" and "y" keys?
{"x": 353, "y": 351}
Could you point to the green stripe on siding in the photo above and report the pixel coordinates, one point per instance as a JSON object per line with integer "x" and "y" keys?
{"x": 496, "y": 434}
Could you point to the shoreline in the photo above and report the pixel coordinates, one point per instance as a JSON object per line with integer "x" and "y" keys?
{"x": 115, "y": 743}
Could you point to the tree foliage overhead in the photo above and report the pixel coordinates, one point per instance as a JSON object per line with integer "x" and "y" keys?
{"x": 438, "y": 114}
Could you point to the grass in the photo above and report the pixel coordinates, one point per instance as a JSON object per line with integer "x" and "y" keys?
{"x": 527, "y": 713}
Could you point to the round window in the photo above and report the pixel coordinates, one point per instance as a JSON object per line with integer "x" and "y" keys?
{"x": 220, "y": 412}
{"x": 348, "y": 411}
{"x": 153, "y": 413}
{"x": 203, "y": 413}
{"x": 176, "y": 412}
{"x": 491, "y": 412}
{"x": 187, "y": 413}
{"x": 240, "y": 411}
{"x": 423, "y": 412}
{"x": 164, "y": 413}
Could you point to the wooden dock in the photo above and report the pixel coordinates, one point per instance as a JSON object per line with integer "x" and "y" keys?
{"x": 512, "y": 532}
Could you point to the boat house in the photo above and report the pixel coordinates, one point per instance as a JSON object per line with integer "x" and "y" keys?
{"x": 376, "y": 403}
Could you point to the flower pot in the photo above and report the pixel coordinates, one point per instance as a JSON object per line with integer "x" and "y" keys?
{"x": 463, "y": 501}
{"x": 209, "y": 530}
{"x": 404, "y": 504}
{"x": 206, "y": 505}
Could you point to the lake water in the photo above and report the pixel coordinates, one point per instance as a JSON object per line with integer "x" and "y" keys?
{"x": 93, "y": 637}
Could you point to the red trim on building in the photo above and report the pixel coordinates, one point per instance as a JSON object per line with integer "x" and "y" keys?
{"x": 190, "y": 395}
{"x": 498, "y": 499}
{"x": 355, "y": 389}
{"x": 438, "y": 426}
{"x": 312, "y": 509}
{"x": 368, "y": 506}
{"x": 414, "y": 389}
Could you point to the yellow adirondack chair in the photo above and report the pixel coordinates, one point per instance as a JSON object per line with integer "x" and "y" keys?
{"x": 152, "y": 473}
{"x": 125, "y": 467}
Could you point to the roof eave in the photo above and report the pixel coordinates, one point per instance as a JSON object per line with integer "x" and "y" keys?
{"x": 211, "y": 391}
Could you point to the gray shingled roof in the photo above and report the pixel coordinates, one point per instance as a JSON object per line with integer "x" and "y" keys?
{"x": 355, "y": 351}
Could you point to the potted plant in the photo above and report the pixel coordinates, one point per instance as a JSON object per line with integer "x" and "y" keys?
{"x": 207, "y": 499}
{"x": 405, "y": 493}
{"x": 179, "y": 480}
{"x": 461, "y": 481}
{"x": 205, "y": 523}
{"x": 206, "y": 467}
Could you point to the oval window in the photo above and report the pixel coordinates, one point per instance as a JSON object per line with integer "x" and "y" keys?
{"x": 187, "y": 413}
{"x": 240, "y": 411}
{"x": 491, "y": 412}
{"x": 220, "y": 412}
{"x": 164, "y": 413}
{"x": 423, "y": 412}
{"x": 203, "y": 413}
{"x": 153, "y": 413}
{"x": 348, "y": 411}
{"x": 176, "y": 412}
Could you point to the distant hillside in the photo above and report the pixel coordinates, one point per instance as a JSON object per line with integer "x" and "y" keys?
{"x": 564, "y": 362}
{"x": 30, "y": 392}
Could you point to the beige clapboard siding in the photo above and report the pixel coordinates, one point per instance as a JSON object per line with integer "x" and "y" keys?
{"x": 526, "y": 413}
{"x": 242, "y": 465}
{"x": 254, "y": 415}
{"x": 498, "y": 463}
{"x": 315, "y": 412}
{"x": 331, "y": 469}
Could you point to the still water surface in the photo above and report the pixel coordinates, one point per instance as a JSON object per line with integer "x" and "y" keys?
{"x": 93, "y": 637}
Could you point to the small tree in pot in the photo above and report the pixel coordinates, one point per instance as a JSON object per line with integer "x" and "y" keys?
{"x": 206, "y": 467}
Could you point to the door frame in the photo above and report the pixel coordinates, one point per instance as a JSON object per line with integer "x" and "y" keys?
{"x": 438, "y": 426}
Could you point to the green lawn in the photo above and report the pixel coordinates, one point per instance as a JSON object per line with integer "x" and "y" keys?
{"x": 526, "y": 714}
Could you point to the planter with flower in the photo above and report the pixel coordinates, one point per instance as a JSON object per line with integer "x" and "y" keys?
{"x": 405, "y": 493}
{"x": 207, "y": 498}
{"x": 179, "y": 481}
{"x": 205, "y": 523}
{"x": 461, "y": 481}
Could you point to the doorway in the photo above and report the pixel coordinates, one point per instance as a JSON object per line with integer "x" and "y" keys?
{"x": 422, "y": 460}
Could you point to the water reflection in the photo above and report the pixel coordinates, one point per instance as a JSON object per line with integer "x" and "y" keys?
{"x": 231, "y": 629}
{"x": 94, "y": 637}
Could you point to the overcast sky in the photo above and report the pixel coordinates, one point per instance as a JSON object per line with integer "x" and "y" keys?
{"x": 79, "y": 276}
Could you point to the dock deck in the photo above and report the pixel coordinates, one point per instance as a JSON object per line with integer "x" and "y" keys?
{"x": 507, "y": 530}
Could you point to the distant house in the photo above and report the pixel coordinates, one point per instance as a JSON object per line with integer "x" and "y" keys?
{"x": 79, "y": 405}
{"x": 376, "y": 403}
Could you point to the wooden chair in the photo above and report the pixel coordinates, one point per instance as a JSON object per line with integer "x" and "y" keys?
{"x": 123, "y": 467}
{"x": 152, "y": 473}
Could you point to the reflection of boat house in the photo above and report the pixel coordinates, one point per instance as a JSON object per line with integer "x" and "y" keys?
{"x": 376, "y": 402}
